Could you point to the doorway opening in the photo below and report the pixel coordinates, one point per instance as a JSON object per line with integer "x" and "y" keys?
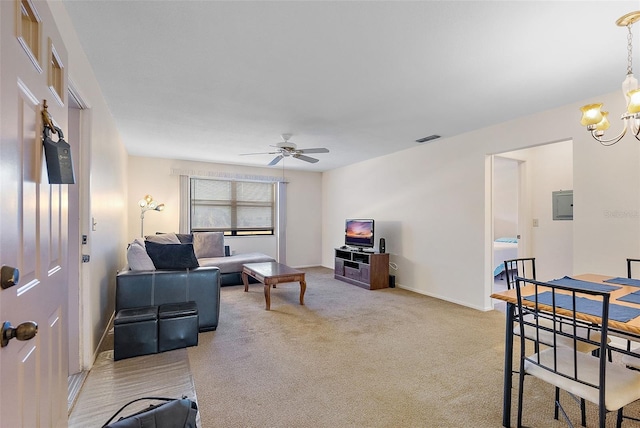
{"x": 541, "y": 170}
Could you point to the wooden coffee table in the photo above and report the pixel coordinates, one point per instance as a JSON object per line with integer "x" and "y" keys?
{"x": 270, "y": 274}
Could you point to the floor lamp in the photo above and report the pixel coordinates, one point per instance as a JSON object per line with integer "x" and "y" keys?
{"x": 147, "y": 204}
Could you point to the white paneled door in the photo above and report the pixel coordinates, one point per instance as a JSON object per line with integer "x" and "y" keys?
{"x": 33, "y": 218}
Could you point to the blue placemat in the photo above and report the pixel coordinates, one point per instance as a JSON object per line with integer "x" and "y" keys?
{"x": 587, "y": 306}
{"x": 624, "y": 281}
{"x": 631, "y": 297}
{"x": 583, "y": 285}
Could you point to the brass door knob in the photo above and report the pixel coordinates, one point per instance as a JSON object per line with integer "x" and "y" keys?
{"x": 25, "y": 331}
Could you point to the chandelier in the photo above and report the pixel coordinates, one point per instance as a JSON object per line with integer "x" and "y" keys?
{"x": 596, "y": 120}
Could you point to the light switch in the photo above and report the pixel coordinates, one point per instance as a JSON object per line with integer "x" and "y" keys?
{"x": 535, "y": 222}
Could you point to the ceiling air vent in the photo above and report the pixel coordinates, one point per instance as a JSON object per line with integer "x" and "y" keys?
{"x": 429, "y": 138}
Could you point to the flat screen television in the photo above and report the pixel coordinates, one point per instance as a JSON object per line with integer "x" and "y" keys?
{"x": 359, "y": 233}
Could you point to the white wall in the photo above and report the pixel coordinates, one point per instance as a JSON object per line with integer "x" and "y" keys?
{"x": 552, "y": 241}
{"x": 434, "y": 201}
{"x": 106, "y": 192}
{"x": 154, "y": 176}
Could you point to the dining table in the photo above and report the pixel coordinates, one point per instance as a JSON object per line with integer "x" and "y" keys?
{"x": 625, "y": 292}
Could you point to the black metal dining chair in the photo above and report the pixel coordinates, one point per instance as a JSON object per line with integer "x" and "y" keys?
{"x": 525, "y": 267}
{"x": 630, "y": 263}
{"x": 630, "y": 361}
{"x": 594, "y": 379}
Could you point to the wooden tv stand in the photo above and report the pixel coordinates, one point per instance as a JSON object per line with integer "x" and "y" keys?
{"x": 364, "y": 269}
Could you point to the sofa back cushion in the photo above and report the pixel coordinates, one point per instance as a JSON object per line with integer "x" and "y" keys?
{"x": 164, "y": 238}
{"x": 171, "y": 256}
{"x": 137, "y": 256}
{"x": 208, "y": 244}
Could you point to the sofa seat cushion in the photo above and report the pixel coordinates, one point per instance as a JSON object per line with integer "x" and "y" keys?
{"x": 234, "y": 263}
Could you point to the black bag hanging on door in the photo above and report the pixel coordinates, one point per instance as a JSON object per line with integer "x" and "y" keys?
{"x": 58, "y": 156}
{"x": 173, "y": 413}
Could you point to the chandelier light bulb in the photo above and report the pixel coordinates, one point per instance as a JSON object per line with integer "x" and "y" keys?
{"x": 604, "y": 124}
{"x": 591, "y": 114}
{"x": 634, "y": 101}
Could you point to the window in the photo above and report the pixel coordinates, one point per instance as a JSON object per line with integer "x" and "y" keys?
{"x": 237, "y": 208}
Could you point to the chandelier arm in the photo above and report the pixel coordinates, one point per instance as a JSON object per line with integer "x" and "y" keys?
{"x": 611, "y": 141}
{"x": 636, "y": 129}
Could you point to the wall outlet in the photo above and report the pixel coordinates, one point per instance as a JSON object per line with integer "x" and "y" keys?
{"x": 85, "y": 258}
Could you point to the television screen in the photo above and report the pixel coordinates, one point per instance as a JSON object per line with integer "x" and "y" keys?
{"x": 359, "y": 233}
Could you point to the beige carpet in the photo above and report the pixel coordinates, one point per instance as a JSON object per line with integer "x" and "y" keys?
{"x": 357, "y": 358}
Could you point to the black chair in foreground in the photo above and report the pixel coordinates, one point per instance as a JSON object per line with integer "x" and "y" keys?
{"x": 630, "y": 361}
{"x": 609, "y": 386}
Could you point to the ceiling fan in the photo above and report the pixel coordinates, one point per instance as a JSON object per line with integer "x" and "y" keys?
{"x": 286, "y": 148}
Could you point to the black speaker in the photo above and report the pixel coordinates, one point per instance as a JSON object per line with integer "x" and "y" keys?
{"x": 381, "y": 246}
{"x": 58, "y": 157}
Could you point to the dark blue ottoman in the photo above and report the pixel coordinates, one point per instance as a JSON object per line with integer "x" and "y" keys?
{"x": 135, "y": 332}
{"x": 177, "y": 325}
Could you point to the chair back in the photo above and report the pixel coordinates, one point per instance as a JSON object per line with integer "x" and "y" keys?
{"x": 522, "y": 267}
{"x": 630, "y": 262}
{"x": 556, "y": 310}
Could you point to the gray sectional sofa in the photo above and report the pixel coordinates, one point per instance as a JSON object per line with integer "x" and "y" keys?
{"x": 231, "y": 265}
{"x": 208, "y": 249}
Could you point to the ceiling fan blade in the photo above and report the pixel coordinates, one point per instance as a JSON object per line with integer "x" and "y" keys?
{"x": 315, "y": 150}
{"x": 275, "y": 160}
{"x": 259, "y": 153}
{"x": 305, "y": 158}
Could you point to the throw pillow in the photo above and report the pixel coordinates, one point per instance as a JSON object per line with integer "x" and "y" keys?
{"x": 172, "y": 256}
{"x": 208, "y": 244}
{"x": 164, "y": 238}
{"x": 185, "y": 238}
{"x": 137, "y": 257}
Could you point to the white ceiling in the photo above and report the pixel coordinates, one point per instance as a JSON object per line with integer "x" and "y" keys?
{"x": 209, "y": 80}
